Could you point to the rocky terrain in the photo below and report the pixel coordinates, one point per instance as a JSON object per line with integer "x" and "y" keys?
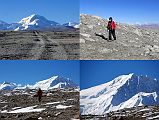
{"x": 132, "y": 42}
{"x": 56, "y": 104}
{"x": 39, "y": 45}
{"x": 135, "y": 113}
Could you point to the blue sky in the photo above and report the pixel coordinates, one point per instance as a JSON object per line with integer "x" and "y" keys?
{"x": 94, "y": 73}
{"x": 61, "y": 11}
{"x": 125, "y": 11}
{"x": 31, "y": 71}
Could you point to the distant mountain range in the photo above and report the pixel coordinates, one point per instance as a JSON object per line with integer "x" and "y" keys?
{"x": 36, "y": 22}
{"x": 153, "y": 26}
{"x": 53, "y": 82}
{"x": 125, "y": 91}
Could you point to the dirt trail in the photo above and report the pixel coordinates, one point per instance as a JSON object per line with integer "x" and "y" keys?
{"x": 52, "y": 48}
{"x": 39, "y": 45}
{"x": 38, "y": 48}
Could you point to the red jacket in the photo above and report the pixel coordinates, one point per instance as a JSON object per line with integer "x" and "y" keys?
{"x": 40, "y": 92}
{"x": 111, "y": 25}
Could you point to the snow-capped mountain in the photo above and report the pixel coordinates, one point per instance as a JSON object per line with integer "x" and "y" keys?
{"x": 72, "y": 24}
{"x": 125, "y": 91}
{"x": 7, "y": 86}
{"x": 3, "y": 25}
{"x": 153, "y": 26}
{"x": 53, "y": 82}
{"x": 36, "y": 22}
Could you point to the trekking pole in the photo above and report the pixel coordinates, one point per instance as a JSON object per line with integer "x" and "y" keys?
{"x": 107, "y": 33}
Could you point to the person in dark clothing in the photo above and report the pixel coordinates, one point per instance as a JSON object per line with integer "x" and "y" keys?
{"x": 111, "y": 28}
{"x": 39, "y": 93}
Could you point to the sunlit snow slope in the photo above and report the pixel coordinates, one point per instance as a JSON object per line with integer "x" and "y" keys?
{"x": 124, "y": 91}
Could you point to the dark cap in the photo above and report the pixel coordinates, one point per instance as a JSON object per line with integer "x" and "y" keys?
{"x": 110, "y": 18}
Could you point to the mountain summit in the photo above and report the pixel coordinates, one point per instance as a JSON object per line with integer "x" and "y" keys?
{"x": 125, "y": 91}
{"x": 7, "y": 86}
{"x": 35, "y": 22}
{"x": 53, "y": 82}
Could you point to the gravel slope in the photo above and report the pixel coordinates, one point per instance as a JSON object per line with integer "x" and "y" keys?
{"x": 132, "y": 42}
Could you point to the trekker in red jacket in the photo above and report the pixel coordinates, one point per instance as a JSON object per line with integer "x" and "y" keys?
{"x": 39, "y": 93}
{"x": 111, "y": 27}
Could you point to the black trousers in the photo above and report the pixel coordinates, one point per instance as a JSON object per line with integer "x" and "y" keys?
{"x": 112, "y": 33}
{"x": 39, "y": 98}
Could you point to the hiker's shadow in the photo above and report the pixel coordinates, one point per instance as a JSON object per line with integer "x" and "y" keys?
{"x": 102, "y": 36}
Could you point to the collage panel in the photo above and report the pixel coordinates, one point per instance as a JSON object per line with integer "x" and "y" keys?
{"x": 39, "y": 30}
{"x": 39, "y": 90}
{"x": 79, "y": 60}
{"x": 119, "y": 30}
{"x": 119, "y": 90}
